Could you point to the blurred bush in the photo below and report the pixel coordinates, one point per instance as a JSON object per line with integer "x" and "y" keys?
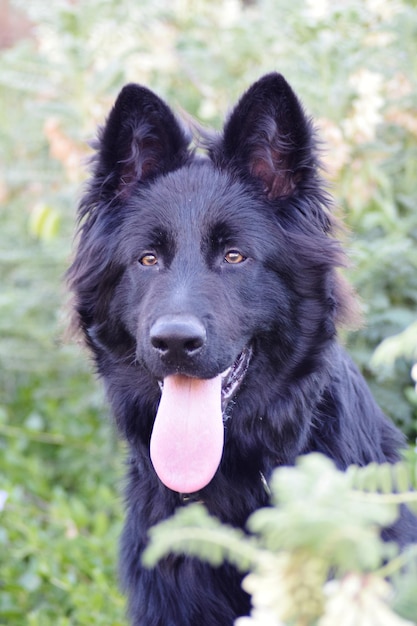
{"x": 315, "y": 556}
{"x": 354, "y": 64}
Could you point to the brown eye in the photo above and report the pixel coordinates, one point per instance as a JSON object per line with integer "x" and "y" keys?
{"x": 148, "y": 259}
{"x": 234, "y": 257}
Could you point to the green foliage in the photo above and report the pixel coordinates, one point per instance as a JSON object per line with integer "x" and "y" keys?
{"x": 195, "y": 532}
{"x": 58, "y": 530}
{"x": 354, "y": 65}
{"x": 323, "y": 524}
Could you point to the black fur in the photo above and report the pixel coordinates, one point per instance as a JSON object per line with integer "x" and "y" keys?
{"x": 258, "y": 191}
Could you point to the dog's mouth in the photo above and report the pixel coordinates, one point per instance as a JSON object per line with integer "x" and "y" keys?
{"x": 187, "y": 438}
{"x": 234, "y": 375}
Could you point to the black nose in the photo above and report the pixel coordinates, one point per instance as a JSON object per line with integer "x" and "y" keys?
{"x": 176, "y": 337}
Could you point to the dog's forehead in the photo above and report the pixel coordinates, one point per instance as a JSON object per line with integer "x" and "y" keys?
{"x": 198, "y": 189}
{"x": 195, "y": 208}
{"x": 192, "y": 197}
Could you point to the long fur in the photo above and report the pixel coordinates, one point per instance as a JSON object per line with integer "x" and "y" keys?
{"x": 259, "y": 190}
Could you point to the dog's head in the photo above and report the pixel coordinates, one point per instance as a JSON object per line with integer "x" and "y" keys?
{"x": 190, "y": 267}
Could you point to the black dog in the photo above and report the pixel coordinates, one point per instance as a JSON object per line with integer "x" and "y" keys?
{"x": 207, "y": 288}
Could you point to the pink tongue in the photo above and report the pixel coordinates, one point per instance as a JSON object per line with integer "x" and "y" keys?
{"x": 187, "y": 437}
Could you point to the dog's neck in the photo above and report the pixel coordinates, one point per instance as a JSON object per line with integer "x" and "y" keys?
{"x": 195, "y": 498}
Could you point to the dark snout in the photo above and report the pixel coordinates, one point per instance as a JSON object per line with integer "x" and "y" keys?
{"x": 177, "y": 338}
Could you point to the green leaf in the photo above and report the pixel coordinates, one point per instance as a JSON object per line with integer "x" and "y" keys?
{"x": 194, "y": 532}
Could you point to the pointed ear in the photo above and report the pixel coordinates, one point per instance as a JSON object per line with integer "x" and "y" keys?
{"x": 269, "y": 137}
{"x": 140, "y": 140}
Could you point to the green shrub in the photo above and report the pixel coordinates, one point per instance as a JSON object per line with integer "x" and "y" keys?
{"x": 315, "y": 557}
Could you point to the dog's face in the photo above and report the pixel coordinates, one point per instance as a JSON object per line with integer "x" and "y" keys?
{"x": 200, "y": 280}
{"x": 189, "y": 267}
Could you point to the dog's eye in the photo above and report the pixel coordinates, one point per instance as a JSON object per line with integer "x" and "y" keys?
{"x": 148, "y": 259}
{"x": 234, "y": 257}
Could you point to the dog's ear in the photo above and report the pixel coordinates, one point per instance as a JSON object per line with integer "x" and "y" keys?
{"x": 140, "y": 140}
{"x": 269, "y": 137}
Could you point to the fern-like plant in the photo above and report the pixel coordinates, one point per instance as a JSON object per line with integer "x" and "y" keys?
{"x": 315, "y": 557}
